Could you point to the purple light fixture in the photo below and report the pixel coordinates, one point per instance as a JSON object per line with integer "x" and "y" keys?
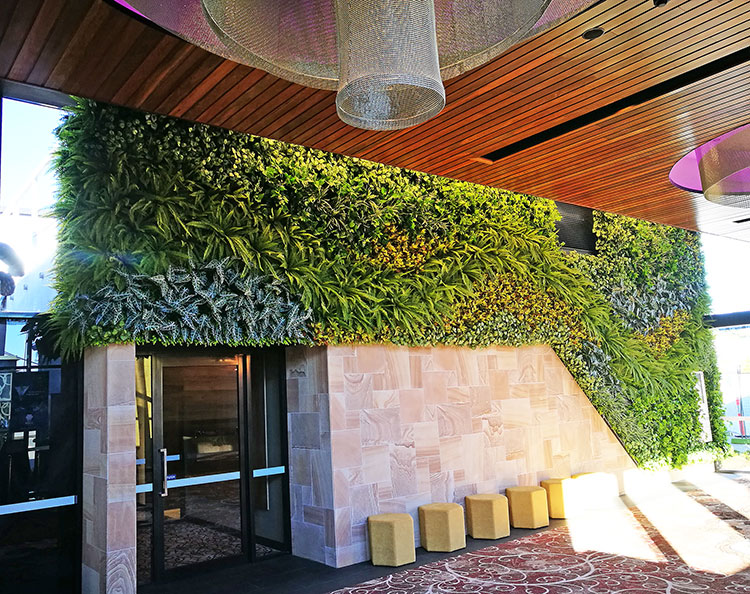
{"x": 719, "y": 169}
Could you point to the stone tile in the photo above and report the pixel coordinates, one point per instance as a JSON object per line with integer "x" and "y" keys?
{"x": 364, "y": 502}
{"x": 343, "y": 527}
{"x": 403, "y": 464}
{"x": 121, "y": 572}
{"x": 120, "y": 525}
{"x": 343, "y": 350}
{"x": 460, "y": 394}
{"x": 121, "y": 468}
{"x": 415, "y": 371}
{"x": 95, "y": 378}
{"x": 300, "y": 472}
{"x": 397, "y": 369}
{"x": 442, "y": 487}
{"x": 385, "y": 399}
{"x": 426, "y": 439}
{"x": 493, "y": 428}
{"x": 121, "y": 381}
{"x": 451, "y": 452}
{"x": 371, "y": 359}
{"x": 407, "y": 436}
{"x": 308, "y": 541}
{"x": 379, "y": 426}
{"x": 357, "y": 391}
{"x": 376, "y": 464}
{"x": 292, "y": 395}
{"x": 314, "y": 515}
{"x": 435, "y": 386}
{"x": 346, "y": 448}
{"x": 335, "y": 373}
{"x": 305, "y": 430}
{"x": 499, "y": 384}
{"x": 296, "y": 361}
{"x": 454, "y": 419}
{"x": 322, "y": 478}
{"x": 341, "y": 493}
{"x": 516, "y": 413}
{"x": 355, "y": 553}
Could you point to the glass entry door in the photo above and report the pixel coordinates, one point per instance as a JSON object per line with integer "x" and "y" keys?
{"x": 205, "y": 429}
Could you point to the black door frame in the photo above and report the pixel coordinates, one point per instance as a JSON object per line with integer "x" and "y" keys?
{"x": 252, "y": 367}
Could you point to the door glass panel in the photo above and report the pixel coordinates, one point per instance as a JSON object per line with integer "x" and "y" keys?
{"x": 202, "y": 511}
{"x": 268, "y": 456}
{"x": 144, "y": 468}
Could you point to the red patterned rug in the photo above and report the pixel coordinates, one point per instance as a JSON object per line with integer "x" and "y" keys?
{"x": 547, "y": 563}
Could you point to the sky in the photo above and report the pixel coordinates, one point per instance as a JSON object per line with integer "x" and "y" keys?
{"x": 27, "y": 191}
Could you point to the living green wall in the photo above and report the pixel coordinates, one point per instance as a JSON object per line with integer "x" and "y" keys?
{"x": 178, "y": 233}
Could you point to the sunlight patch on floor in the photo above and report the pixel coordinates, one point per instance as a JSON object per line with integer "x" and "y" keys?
{"x": 612, "y": 529}
{"x": 730, "y": 492}
{"x": 703, "y": 541}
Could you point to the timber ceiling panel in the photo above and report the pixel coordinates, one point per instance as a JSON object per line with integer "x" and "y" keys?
{"x": 619, "y": 163}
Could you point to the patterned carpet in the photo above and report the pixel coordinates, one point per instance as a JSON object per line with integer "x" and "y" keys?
{"x": 547, "y": 563}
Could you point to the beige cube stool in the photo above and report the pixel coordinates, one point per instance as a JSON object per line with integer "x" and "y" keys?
{"x": 487, "y": 515}
{"x": 527, "y": 506}
{"x": 562, "y": 501}
{"x": 391, "y": 539}
{"x": 441, "y": 527}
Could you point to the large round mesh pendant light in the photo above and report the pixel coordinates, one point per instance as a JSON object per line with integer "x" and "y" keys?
{"x": 725, "y": 169}
{"x": 389, "y": 72}
{"x": 379, "y": 54}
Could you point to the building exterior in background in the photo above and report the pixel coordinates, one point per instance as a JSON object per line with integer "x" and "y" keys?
{"x": 733, "y": 352}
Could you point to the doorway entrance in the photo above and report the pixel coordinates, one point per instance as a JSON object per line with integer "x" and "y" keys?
{"x": 211, "y": 468}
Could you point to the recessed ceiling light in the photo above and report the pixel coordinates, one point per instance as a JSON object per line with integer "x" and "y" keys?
{"x": 660, "y": 3}
{"x": 593, "y": 33}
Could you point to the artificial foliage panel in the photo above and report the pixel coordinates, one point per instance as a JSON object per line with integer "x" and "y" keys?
{"x": 178, "y": 233}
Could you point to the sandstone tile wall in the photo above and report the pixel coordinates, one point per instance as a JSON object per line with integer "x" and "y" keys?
{"x": 310, "y": 475}
{"x": 108, "y": 495}
{"x": 410, "y": 426}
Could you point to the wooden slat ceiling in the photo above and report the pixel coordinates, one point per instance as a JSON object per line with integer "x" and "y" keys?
{"x": 619, "y": 163}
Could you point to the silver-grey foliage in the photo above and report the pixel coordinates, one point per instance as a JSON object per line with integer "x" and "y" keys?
{"x": 206, "y": 303}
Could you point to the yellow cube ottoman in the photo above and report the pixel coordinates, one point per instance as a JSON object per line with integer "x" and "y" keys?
{"x": 441, "y": 527}
{"x": 527, "y": 506}
{"x": 561, "y": 497}
{"x": 391, "y": 539}
{"x": 487, "y": 515}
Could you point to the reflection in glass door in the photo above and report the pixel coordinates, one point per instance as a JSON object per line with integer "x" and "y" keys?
{"x": 198, "y": 428}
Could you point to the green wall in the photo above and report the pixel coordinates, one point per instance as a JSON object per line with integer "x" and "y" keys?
{"x": 179, "y": 233}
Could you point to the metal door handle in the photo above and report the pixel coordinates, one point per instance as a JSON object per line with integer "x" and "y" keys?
{"x": 164, "y": 491}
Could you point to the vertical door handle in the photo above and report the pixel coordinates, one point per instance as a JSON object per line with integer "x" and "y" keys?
{"x": 163, "y": 454}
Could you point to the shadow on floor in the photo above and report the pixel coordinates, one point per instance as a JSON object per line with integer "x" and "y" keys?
{"x": 291, "y": 575}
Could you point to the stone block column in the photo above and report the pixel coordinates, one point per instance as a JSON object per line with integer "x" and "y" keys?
{"x": 109, "y": 516}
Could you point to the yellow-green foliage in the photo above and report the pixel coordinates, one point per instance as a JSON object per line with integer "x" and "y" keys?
{"x": 667, "y": 332}
{"x": 341, "y": 250}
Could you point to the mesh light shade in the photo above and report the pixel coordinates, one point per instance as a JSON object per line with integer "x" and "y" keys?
{"x": 389, "y": 72}
{"x": 725, "y": 169}
{"x": 301, "y": 41}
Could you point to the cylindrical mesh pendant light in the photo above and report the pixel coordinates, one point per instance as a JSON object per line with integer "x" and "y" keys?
{"x": 389, "y": 72}
{"x": 387, "y": 58}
